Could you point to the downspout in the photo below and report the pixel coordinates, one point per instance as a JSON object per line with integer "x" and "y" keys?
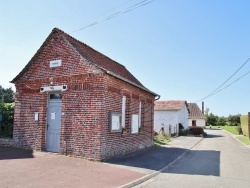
{"x": 158, "y": 97}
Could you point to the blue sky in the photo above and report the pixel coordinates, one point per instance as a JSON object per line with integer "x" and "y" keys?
{"x": 182, "y": 49}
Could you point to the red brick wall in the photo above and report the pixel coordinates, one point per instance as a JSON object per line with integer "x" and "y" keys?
{"x": 117, "y": 143}
{"x": 86, "y": 104}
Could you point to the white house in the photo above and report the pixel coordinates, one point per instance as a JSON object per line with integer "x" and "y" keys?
{"x": 168, "y": 115}
{"x": 196, "y": 117}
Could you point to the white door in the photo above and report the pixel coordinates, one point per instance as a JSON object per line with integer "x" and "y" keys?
{"x": 53, "y": 122}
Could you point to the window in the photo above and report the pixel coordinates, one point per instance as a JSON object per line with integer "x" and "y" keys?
{"x": 123, "y": 111}
{"x": 135, "y": 123}
{"x": 115, "y": 121}
{"x": 55, "y": 96}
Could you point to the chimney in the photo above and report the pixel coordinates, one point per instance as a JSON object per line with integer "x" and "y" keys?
{"x": 202, "y": 108}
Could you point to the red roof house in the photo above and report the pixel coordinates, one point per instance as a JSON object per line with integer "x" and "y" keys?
{"x": 73, "y": 100}
{"x": 196, "y": 117}
{"x": 169, "y": 114}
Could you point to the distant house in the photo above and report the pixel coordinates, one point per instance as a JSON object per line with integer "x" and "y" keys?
{"x": 73, "y": 100}
{"x": 169, "y": 114}
{"x": 196, "y": 117}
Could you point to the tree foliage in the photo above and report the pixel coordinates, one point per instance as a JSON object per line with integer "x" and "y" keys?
{"x": 222, "y": 121}
{"x": 234, "y": 119}
{"x": 6, "y": 119}
{"x": 212, "y": 119}
{"x": 6, "y": 95}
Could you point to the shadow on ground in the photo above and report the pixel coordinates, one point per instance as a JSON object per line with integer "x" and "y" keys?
{"x": 7, "y": 153}
{"x": 213, "y": 136}
{"x": 154, "y": 158}
{"x": 198, "y": 162}
{"x": 213, "y": 128}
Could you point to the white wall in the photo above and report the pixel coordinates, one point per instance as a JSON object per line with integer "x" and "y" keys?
{"x": 164, "y": 119}
{"x": 199, "y": 122}
{"x": 183, "y": 116}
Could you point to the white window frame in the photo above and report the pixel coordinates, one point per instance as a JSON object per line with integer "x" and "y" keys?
{"x": 134, "y": 123}
{"x": 123, "y": 111}
{"x": 115, "y": 122}
{"x": 139, "y": 120}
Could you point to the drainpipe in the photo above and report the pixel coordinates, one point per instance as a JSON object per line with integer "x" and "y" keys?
{"x": 158, "y": 97}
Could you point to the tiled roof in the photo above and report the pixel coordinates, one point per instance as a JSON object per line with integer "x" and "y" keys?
{"x": 195, "y": 112}
{"x": 170, "y": 105}
{"x": 99, "y": 59}
{"x": 95, "y": 57}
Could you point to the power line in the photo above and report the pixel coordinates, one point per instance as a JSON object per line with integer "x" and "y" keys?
{"x": 231, "y": 83}
{"x": 215, "y": 91}
{"x": 118, "y": 13}
{"x": 101, "y": 15}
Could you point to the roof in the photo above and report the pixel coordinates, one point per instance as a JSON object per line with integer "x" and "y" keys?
{"x": 170, "y": 105}
{"x": 110, "y": 66}
{"x": 195, "y": 112}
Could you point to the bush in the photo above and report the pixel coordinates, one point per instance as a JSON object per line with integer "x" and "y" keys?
{"x": 181, "y": 126}
{"x": 196, "y": 130}
{"x": 183, "y": 132}
{"x": 161, "y": 139}
{"x": 6, "y": 119}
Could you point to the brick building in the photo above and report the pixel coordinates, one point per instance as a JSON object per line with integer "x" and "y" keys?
{"x": 74, "y": 100}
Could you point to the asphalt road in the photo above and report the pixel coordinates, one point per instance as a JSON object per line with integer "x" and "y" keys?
{"x": 217, "y": 161}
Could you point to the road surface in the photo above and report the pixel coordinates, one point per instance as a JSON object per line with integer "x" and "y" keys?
{"x": 217, "y": 161}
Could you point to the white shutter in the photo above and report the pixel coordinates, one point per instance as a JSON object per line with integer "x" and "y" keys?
{"x": 123, "y": 110}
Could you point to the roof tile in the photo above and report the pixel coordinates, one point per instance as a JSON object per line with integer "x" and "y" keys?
{"x": 195, "y": 112}
{"x": 169, "y": 105}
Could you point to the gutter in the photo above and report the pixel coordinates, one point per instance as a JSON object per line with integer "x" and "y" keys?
{"x": 132, "y": 83}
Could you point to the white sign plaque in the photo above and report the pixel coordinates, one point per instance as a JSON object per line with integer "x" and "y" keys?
{"x": 36, "y": 116}
{"x": 55, "y": 63}
{"x": 53, "y": 115}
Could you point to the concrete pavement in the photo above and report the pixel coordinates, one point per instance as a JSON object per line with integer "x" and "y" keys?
{"x": 23, "y": 168}
{"x": 218, "y": 161}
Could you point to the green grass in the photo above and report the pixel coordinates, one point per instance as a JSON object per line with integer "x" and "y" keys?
{"x": 244, "y": 139}
{"x": 161, "y": 140}
{"x": 231, "y": 129}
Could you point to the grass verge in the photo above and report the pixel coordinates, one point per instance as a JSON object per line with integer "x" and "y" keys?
{"x": 161, "y": 140}
{"x": 244, "y": 139}
{"x": 231, "y": 129}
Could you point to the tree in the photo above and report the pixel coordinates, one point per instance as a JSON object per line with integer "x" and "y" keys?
{"x": 222, "y": 121}
{"x": 234, "y": 119}
{"x": 6, "y": 119}
{"x": 212, "y": 119}
{"x": 6, "y": 95}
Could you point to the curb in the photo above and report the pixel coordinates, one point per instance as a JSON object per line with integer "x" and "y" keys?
{"x": 234, "y": 136}
{"x": 153, "y": 174}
